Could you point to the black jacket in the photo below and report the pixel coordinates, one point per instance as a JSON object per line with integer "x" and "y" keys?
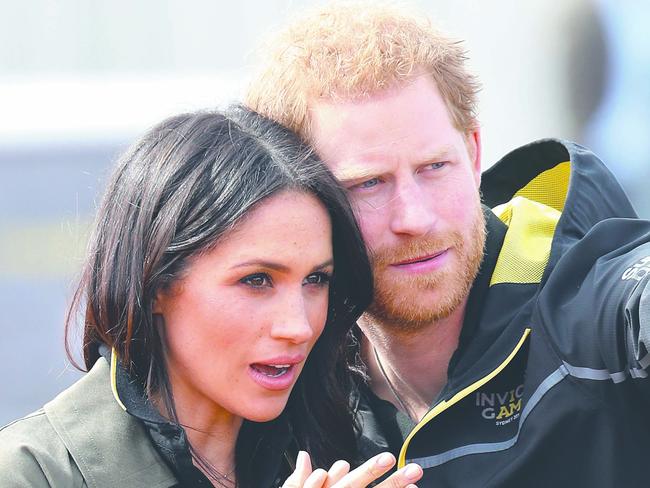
{"x": 548, "y": 386}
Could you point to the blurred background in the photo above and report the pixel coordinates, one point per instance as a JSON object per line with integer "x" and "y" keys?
{"x": 80, "y": 79}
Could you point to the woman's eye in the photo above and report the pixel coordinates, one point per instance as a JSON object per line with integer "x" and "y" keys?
{"x": 258, "y": 280}
{"x": 317, "y": 279}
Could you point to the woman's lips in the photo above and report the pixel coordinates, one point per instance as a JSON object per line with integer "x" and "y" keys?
{"x": 278, "y": 374}
{"x": 422, "y": 264}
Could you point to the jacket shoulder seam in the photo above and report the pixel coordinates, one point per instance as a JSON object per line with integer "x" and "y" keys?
{"x": 38, "y": 413}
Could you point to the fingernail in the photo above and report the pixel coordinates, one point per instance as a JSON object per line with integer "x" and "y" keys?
{"x": 385, "y": 460}
{"x": 412, "y": 471}
{"x": 319, "y": 474}
{"x": 300, "y": 459}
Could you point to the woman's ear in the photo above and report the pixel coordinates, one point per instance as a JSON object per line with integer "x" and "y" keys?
{"x": 158, "y": 303}
{"x": 164, "y": 295}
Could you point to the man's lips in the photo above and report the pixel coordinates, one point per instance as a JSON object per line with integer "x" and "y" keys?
{"x": 420, "y": 259}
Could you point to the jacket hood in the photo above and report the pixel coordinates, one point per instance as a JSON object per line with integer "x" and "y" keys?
{"x": 564, "y": 176}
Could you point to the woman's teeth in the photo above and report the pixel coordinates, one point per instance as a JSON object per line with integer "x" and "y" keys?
{"x": 272, "y": 370}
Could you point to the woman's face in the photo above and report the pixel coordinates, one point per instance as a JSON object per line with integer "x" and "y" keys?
{"x": 244, "y": 316}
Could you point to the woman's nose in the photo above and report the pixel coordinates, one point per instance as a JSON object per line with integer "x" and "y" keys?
{"x": 291, "y": 321}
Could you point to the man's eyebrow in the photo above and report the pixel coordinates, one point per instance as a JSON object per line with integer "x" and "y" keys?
{"x": 439, "y": 154}
{"x": 352, "y": 170}
{"x": 353, "y": 173}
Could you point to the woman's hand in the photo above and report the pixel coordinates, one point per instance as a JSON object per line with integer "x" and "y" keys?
{"x": 340, "y": 476}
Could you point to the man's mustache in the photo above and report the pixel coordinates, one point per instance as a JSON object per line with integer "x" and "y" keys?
{"x": 414, "y": 248}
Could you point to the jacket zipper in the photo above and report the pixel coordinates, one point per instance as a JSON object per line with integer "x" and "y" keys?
{"x": 445, "y": 404}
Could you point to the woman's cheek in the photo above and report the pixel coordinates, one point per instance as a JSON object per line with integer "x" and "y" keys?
{"x": 319, "y": 318}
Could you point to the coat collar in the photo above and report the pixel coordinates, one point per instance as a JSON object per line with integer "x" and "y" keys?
{"x": 260, "y": 446}
{"x": 110, "y": 447}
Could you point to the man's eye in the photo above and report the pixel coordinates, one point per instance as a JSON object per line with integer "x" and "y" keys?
{"x": 435, "y": 165}
{"x": 368, "y": 183}
{"x": 319, "y": 278}
{"x": 258, "y": 280}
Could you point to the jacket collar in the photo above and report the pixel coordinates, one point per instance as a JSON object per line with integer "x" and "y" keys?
{"x": 110, "y": 447}
{"x": 495, "y": 231}
{"x": 485, "y": 338}
{"x": 260, "y": 445}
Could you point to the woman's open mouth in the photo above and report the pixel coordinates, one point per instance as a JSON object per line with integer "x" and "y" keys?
{"x": 278, "y": 373}
{"x": 271, "y": 370}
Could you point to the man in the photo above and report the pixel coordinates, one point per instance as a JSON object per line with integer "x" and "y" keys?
{"x": 507, "y": 344}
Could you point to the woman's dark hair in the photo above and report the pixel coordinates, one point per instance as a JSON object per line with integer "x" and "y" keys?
{"x": 174, "y": 194}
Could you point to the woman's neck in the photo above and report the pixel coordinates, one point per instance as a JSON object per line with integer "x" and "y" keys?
{"x": 213, "y": 450}
{"x": 212, "y": 433}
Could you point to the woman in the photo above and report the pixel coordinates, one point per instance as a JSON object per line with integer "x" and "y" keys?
{"x": 222, "y": 255}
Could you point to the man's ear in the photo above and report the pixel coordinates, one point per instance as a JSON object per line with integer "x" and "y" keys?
{"x": 473, "y": 142}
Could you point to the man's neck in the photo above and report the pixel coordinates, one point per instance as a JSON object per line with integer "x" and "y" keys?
{"x": 410, "y": 369}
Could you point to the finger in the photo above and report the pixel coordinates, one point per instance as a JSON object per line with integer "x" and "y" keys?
{"x": 301, "y": 473}
{"x": 367, "y": 472}
{"x": 317, "y": 479}
{"x": 403, "y": 478}
{"x": 338, "y": 470}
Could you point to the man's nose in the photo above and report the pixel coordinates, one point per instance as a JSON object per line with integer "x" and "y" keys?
{"x": 291, "y": 320}
{"x": 409, "y": 210}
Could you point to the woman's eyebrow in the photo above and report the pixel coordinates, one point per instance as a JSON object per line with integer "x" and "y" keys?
{"x": 261, "y": 263}
{"x": 277, "y": 266}
{"x": 325, "y": 264}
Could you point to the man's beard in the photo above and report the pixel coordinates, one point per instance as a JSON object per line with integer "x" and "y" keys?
{"x": 398, "y": 301}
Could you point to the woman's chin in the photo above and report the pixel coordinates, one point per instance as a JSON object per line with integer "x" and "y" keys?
{"x": 265, "y": 415}
{"x": 265, "y": 410}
